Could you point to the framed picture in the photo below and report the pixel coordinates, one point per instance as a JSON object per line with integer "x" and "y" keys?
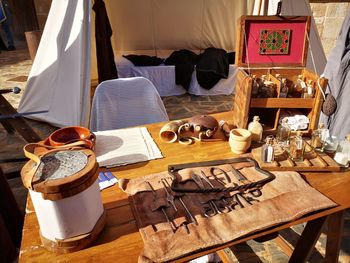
{"x": 2, "y": 13}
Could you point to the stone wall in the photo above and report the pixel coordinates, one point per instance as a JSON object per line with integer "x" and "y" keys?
{"x": 329, "y": 18}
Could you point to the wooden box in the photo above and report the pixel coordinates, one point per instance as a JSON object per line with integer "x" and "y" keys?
{"x": 251, "y": 60}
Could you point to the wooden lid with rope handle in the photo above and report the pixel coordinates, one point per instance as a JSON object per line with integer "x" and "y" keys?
{"x": 59, "y": 171}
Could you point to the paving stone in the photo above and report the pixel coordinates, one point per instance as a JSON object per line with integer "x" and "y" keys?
{"x": 221, "y": 98}
{"x": 199, "y": 98}
{"x": 221, "y": 108}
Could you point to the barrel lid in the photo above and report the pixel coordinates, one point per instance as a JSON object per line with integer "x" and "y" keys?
{"x": 61, "y": 174}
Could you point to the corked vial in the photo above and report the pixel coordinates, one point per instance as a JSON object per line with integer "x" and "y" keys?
{"x": 66, "y": 198}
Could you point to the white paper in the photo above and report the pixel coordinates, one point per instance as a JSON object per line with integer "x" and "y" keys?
{"x": 125, "y": 146}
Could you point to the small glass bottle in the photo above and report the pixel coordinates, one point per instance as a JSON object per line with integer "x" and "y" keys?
{"x": 256, "y": 129}
{"x": 267, "y": 151}
{"x": 308, "y": 90}
{"x": 284, "y": 89}
{"x": 279, "y": 77}
{"x": 342, "y": 156}
{"x": 283, "y": 132}
{"x": 255, "y": 87}
{"x": 299, "y": 87}
{"x": 318, "y": 138}
{"x": 297, "y": 147}
{"x": 267, "y": 88}
{"x": 260, "y": 84}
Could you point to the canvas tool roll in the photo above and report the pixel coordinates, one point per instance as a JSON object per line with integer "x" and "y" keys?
{"x": 63, "y": 186}
{"x": 170, "y": 234}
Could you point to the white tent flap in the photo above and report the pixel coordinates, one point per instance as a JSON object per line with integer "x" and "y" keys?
{"x": 59, "y": 80}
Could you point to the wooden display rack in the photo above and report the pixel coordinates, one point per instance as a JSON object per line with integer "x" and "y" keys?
{"x": 313, "y": 161}
{"x": 288, "y": 66}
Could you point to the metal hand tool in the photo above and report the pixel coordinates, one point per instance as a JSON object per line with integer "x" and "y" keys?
{"x": 241, "y": 178}
{"x": 213, "y": 210}
{"x": 212, "y": 169}
{"x": 190, "y": 216}
{"x": 225, "y": 208}
{"x": 170, "y": 222}
{"x": 169, "y": 196}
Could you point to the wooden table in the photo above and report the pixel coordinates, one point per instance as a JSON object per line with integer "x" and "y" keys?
{"x": 120, "y": 241}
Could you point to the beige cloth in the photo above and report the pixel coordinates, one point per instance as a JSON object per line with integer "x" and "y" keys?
{"x": 286, "y": 198}
{"x": 125, "y": 146}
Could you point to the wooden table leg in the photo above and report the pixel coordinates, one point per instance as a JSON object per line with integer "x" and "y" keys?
{"x": 307, "y": 240}
{"x": 225, "y": 255}
{"x": 334, "y": 235}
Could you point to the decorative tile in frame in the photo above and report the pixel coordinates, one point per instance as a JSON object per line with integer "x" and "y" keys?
{"x": 274, "y": 41}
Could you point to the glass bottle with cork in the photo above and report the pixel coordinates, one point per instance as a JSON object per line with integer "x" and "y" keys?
{"x": 267, "y": 151}
{"x": 255, "y": 86}
{"x": 297, "y": 147}
{"x": 283, "y": 132}
{"x": 267, "y": 88}
{"x": 318, "y": 138}
{"x": 342, "y": 156}
{"x": 256, "y": 129}
{"x": 308, "y": 90}
{"x": 284, "y": 89}
{"x": 298, "y": 87}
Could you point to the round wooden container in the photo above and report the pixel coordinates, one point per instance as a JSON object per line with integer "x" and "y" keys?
{"x": 66, "y": 198}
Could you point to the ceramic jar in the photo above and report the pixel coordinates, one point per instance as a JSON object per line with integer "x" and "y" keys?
{"x": 240, "y": 140}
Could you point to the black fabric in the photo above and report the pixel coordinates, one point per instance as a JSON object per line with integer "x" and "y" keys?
{"x": 212, "y": 66}
{"x": 143, "y": 60}
{"x": 231, "y": 57}
{"x": 184, "y": 61}
{"x": 103, "y": 32}
{"x": 2, "y": 44}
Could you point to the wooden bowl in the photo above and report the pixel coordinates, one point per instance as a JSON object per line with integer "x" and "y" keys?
{"x": 240, "y": 140}
{"x": 70, "y": 134}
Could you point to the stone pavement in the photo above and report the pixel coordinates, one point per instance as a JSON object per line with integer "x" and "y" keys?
{"x": 14, "y": 69}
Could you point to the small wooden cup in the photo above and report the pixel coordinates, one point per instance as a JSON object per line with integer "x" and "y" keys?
{"x": 240, "y": 140}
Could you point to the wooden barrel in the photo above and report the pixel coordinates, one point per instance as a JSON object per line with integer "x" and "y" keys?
{"x": 66, "y": 198}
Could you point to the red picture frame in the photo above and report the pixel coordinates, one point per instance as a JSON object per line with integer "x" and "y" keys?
{"x": 248, "y": 43}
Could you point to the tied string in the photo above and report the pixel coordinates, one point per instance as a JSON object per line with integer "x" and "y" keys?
{"x": 246, "y": 50}
{"x": 314, "y": 66}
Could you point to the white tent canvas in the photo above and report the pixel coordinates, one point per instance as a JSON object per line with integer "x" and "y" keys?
{"x": 59, "y": 81}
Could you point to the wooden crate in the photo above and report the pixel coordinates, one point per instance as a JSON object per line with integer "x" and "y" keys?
{"x": 249, "y": 63}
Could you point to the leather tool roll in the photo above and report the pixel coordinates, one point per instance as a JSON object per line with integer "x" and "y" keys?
{"x": 169, "y": 234}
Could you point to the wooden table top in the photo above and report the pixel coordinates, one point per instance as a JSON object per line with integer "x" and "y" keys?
{"x": 120, "y": 240}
